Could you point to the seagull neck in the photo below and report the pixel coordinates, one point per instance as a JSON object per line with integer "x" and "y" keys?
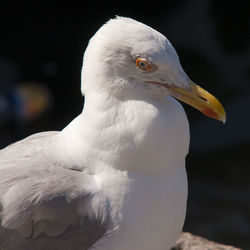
{"x": 99, "y": 102}
{"x": 103, "y": 101}
{"x": 128, "y": 134}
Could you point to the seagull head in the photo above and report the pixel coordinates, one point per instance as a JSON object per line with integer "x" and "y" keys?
{"x": 128, "y": 59}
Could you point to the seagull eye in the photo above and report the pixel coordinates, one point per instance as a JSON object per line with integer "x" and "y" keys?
{"x": 143, "y": 64}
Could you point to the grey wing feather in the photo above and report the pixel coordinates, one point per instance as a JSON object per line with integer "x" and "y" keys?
{"x": 44, "y": 205}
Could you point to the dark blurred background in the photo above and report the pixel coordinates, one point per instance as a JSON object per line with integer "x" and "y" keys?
{"x": 41, "y": 49}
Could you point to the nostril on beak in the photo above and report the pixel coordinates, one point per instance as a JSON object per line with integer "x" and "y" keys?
{"x": 204, "y": 99}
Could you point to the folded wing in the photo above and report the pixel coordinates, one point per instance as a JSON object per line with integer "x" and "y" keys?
{"x": 44, "y": 205}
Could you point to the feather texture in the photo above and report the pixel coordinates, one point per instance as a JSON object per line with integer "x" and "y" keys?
{"x": 41, "y": 200}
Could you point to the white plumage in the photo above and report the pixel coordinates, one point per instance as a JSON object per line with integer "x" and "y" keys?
{"x": 115, "y": 177}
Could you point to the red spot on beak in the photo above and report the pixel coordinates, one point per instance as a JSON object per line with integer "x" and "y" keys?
{"x": 209, "y": 112}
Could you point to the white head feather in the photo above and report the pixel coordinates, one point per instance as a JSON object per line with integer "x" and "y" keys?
{"x": 109, "y": 60}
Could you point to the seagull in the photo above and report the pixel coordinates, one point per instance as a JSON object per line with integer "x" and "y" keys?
{"x": 114, "y": 178}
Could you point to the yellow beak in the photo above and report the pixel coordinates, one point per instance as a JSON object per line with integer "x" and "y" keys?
{"x": 200, "y": 99}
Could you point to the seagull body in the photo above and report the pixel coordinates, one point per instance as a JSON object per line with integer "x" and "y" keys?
{"x": 114, "y": 178}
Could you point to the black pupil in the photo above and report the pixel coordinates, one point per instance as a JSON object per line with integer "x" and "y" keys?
{"x": 143, "y": 65}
